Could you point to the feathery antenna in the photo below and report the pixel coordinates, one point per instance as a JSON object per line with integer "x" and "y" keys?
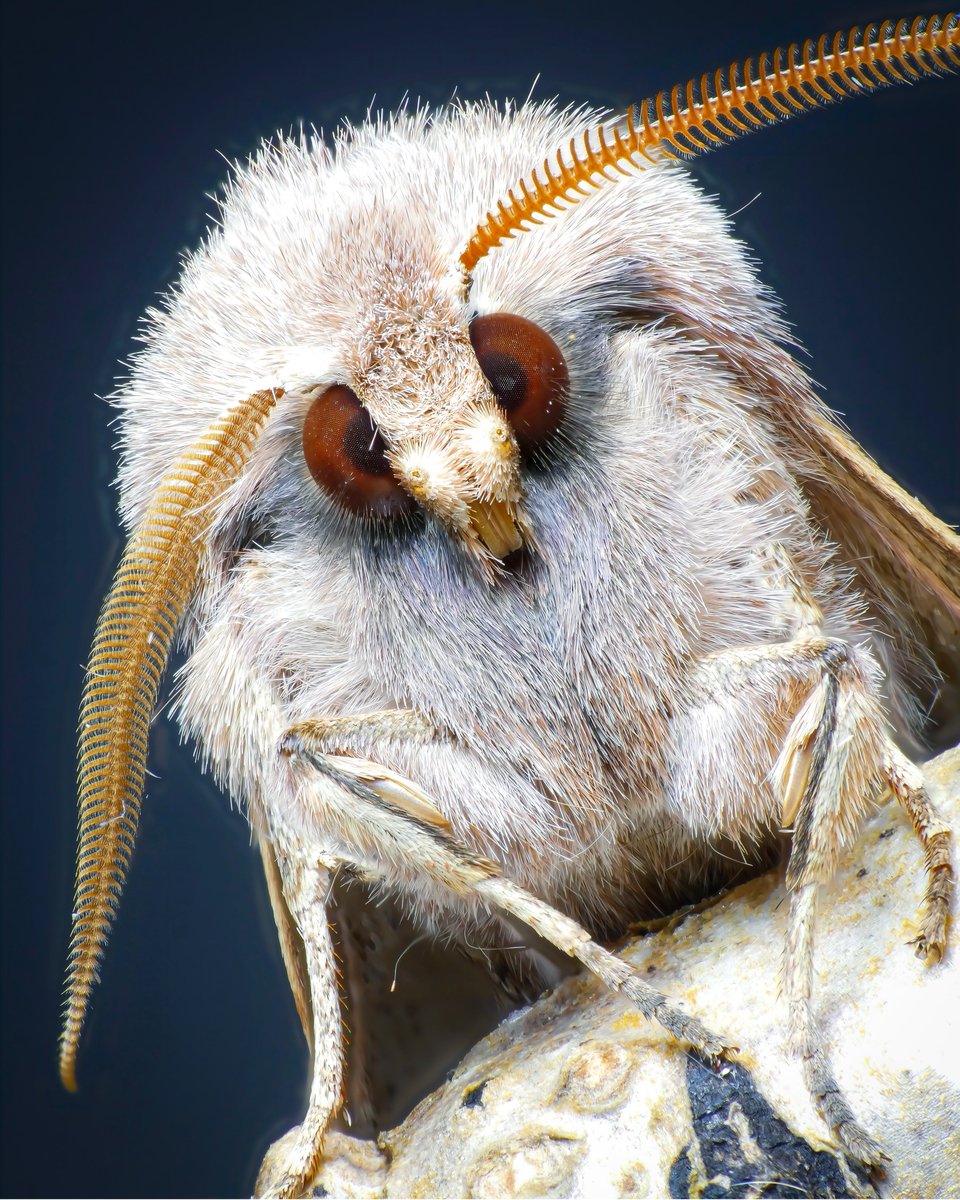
{"x": 130, "y": 649}
{"x": 700, "y": 116}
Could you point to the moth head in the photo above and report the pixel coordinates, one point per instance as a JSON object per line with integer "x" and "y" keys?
{"x": 438, "y": 413}
{"x": 437, "y": 405}
{"x": 411, "y": 425}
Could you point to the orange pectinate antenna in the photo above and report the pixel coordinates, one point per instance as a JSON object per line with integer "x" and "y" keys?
{"x": 691, "y": 120}
{"x": 130, "y": 650}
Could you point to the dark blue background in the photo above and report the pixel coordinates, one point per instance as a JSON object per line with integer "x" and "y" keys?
{"x": 115, "y": 114}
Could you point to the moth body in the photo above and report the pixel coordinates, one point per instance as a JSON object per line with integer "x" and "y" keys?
{"x": 542, "y": 596}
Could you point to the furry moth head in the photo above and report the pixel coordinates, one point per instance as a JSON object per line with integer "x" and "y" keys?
{"x": 905, "y": 551}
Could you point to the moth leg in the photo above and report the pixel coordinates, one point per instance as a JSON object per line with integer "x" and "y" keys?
{"x": 292, "y": 948}
{"x": 358, "y": 1081}
{"x": 828, "y": 767}
{"x": 618, "y": 975}
{"x": 906, "y": 783}
{"x": 897, "y": 773}
{"x": 810, "y": 706}
{"x": 806, "y": 706}
{"x": 291, "y": 1163}
{"x": 837, "y": 757}
{"x": 355, "y": 735}
{"x": 401, "y": 835}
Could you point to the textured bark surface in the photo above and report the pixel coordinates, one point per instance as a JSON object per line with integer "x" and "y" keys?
{"x": 579, "y": 1096}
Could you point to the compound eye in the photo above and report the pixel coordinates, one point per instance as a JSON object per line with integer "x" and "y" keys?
{"x": 526, "y": 372}
{"x": 347, "y": 456}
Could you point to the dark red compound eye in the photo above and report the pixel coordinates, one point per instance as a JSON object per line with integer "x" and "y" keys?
{"x": 526, "y": 372}
{"x": 347, "y": 456}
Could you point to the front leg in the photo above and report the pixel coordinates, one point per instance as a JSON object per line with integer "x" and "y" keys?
{"x": 803, "y": 716}
{"x": 399, "y": 835}
{"x": 835, "y": 756}
{"x": 388, "y": 830}
{"x": 307, "y": 880}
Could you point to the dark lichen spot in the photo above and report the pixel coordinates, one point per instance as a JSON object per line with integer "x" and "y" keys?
{"x": 680, "y": 1172}
{"x": 473, "y": 1097}
{"x": 319, "y": 1191}
{"x": 861, "y": 872}
{"x": 745, "y": 1147}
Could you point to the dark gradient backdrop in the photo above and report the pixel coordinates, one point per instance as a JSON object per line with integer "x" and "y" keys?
{"x": 116, "y": 115}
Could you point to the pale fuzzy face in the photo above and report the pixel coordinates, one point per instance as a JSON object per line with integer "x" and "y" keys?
{"x": 644, "y": 521}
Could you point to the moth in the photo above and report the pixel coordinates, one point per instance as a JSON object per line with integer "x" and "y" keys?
{"x": 521, "y": 576}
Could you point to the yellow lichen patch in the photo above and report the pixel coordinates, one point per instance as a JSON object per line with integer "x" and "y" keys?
{"x": 538, "y": 1164}
{"x": 597, "y": 1077}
